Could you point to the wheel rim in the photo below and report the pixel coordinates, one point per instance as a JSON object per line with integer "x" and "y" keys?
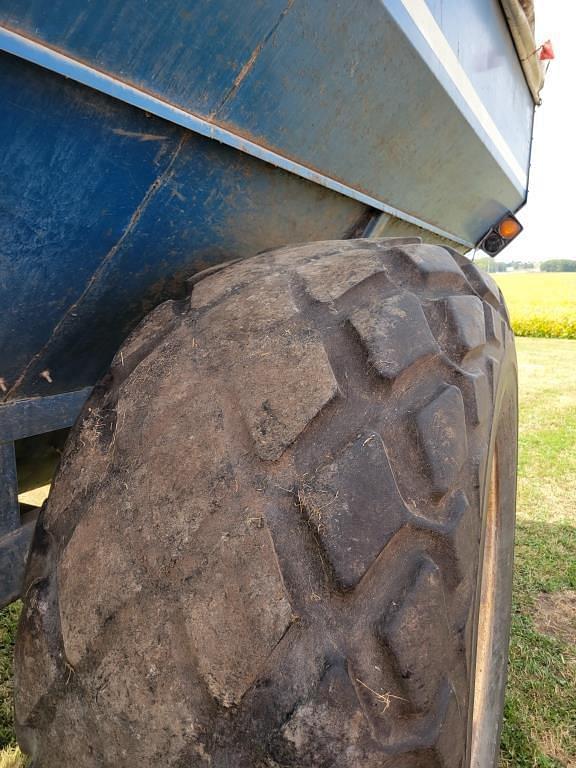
{"x": 488, "y": 679}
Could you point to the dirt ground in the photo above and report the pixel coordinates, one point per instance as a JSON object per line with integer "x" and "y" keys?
{"x": 556, "y": 615}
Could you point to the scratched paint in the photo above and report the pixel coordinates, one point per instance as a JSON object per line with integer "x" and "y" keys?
{"x": 73, "y": 187}
{"x": 119, "y": 222}
{"x": 395, "y": 125}
{"x": 347, "y": 88}
{"x": 105, "y": 209}
{"x": 190, "y": 51}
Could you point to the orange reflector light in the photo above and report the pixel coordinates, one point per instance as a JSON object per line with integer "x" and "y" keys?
{"x": 502, "y": 233}
{"x": 509, "y": 228}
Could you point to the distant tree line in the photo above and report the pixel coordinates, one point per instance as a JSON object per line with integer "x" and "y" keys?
{"x": 551, "y": 265}
{"x": 491, "y": 265}
{"x": 558, "y": 265}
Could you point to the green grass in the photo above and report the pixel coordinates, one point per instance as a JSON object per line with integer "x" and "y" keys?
{"x": 541, "y": 304}
{"x": 8, "y": 621}
{"x": 540, "y": 718}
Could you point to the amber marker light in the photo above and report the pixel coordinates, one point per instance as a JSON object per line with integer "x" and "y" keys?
{"x": 502, "y": 233}
{"x": 509, "y": 228}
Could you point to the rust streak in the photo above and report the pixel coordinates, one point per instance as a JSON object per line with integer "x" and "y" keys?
{"x": 139, "y": 136}
{"x": 241, "y": 76}
{"x": 158, "y": 182}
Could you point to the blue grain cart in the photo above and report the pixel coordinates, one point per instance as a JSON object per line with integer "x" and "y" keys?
{"x": 281, "y": 529}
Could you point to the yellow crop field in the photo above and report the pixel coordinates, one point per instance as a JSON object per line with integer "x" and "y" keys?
{"x": 540, "y": 303}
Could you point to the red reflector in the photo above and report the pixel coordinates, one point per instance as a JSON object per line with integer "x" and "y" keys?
{"x": 547, "y": 51}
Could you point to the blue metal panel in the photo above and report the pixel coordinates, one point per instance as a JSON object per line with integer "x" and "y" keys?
{"x": 105, "y": 211}
{"x": 410, "y": 15}
{"x": 9, "y": 510}
{"x": 348, "y": 88}
{"x": 478, "y": 34}
{"x": 190, "y": 52}
{"x": 394, "y": 127}
{"x": 29, "y": 50}
{"x": 37, "y": 415}
{"x": 71, "y": 177}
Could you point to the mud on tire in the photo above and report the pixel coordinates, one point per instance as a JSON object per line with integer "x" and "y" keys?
{"x": 262, "y": 547}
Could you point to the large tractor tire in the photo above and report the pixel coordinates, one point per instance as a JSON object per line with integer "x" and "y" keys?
{"x": 281, "y": 533}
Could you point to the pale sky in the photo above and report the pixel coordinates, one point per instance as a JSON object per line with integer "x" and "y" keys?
{"x": 549, "y": 216}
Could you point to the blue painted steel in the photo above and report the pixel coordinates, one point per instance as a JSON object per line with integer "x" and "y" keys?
{"x": 56, "y": 62}
{"x": 9, "y": 511}
{"x": 406, "y": 137}
{"x": 38, "y": 415}
{"x": 190, "y": 52}
{"x": 105, "y": 208}
{"x": 20, "y": 419}
{"x": 343, "y": 87}
{"x": 13, "y": 555}
{"x": 478, "y": 34}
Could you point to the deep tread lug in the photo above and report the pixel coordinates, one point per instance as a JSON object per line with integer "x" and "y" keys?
{"x": 435, "y": 265}
{"x": 441, "y": 429}
{"x": 493, "y": 324}
{"x": 465, "y": 318}
{"x": 395, "y": 333}
{"x": 354, "y": 506}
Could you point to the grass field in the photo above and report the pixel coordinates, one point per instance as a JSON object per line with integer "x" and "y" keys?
{"x": 540, "y": 722}
{"x": 541, "y": 304}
